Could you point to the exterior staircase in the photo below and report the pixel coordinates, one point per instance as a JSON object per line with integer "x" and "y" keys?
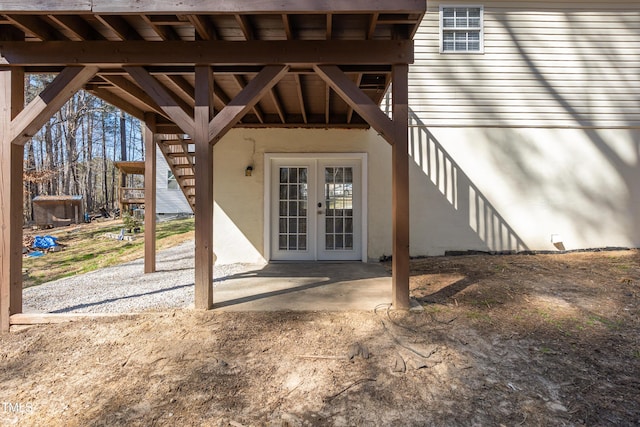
{"x": 180, "y": 155}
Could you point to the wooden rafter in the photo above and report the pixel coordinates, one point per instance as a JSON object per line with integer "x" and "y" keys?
{"x": 120, "y": 27}
{"x": 301, "y": 98}
{"x": 204, "y": 27}
{"x": 78, "y": 26}
{"x": 135, "y": 91}
{"x": 373, "y": 23}
{"x": 165, "y": 32}
{"x": 278, "y": 104}
{"x": 183, "y": 85}
{"x": 117, "y": 102}
{"x": 327, "y": 103}
{"x": 220, "y": 94}
{"x": 37, "y": 26}
{"x": 350, "y": 110}
{"x": 256, "y": 108}
{"x": 287, "y": 27}
{"x": 360, "y": 102}
{"x": 175, "y": 108}
{"x": 329, "y": 34}
{"x": 50, "y": 100}
{"x": 245, "y": 26}
{"x": 220, "y": 53}
{"x": 245, "y": 100}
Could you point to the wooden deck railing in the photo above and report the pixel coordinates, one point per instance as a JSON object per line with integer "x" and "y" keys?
{"x": 131, "y": 195}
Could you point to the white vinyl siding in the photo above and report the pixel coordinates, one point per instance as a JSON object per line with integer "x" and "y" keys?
{"x": 545, "y": 64}
{"x": 168, "y": 201}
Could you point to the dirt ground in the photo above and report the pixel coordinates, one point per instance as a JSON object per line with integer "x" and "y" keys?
{"x": 503, "y": 340}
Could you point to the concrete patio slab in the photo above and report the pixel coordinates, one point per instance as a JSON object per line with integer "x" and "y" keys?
{"x": 299, "y": 286}
{"x": 305, "y": 286}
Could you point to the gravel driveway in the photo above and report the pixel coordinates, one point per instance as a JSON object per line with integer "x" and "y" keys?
{"x": 125, "y": 288}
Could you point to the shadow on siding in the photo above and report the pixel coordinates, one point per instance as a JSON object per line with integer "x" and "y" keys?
{"x": 456, "y": 187}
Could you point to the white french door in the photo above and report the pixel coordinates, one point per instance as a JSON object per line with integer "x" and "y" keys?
{"x": 316, "y": 208}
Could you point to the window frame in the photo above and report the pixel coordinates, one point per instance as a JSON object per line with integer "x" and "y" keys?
{"x": 172, "y": 178}
{"x": 480, "y": 29}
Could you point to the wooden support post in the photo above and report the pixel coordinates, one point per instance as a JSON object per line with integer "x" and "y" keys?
{"x": 11, "y": 184}
{"x": 204, "y": 189}
{"x": 400, "y": 182}
{"x": 149, "y": 193}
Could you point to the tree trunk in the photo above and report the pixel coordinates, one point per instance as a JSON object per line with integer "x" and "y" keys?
{"x": 88, "y": 158}
{"x": 105, "y": 181}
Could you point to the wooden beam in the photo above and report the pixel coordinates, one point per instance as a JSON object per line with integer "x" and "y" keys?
{"x": 221, "y": 95}
{"x": 204, "y": 190}
{"x": 278, "y": 104}
{"x": 78, "y": 26}
{"x": 400, "y": 191}
{"x": 301, "y": 98}
{"x": 119, "y": 26}
{"x": 149, "y": 193}
{"x": 35, "y": 25}
{"x": 52, "y": 318}
{"x": 350, "y": 110}
{"x": 373, "y": 23}
{"x": 164, "y": 31}
{"x": 244, "y": 101}
{"x": 245, "y": 26}
{"x": 11, "y": 188}
{"x": 256, "y": 108}
{"x": 327, "y": 103}
{"x": 50, "y": 100}
{"x": 117, "y": 102}
{"x": 175, "y": 108}
{"x": 286, "y": 23}
{"x": 134, "y": 91}
{"x": 329, "y": 33}
{"x": 76, "y": 6}
{"x": 185, "y": 87}
{"x": 360, "y": 102}
{"x": 204, "y": 27}
{"x": 220, "y": 53}
{"x": 256, "y": 7}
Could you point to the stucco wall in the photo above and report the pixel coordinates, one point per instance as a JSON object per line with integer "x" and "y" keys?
{"x": 239, "y": 210}
{"x": 512, "y": 189}
{"x": 493, "y": 189}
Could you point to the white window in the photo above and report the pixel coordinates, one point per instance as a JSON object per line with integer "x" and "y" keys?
{"x": 172, "y": 182}
{"x": 461, "y": 29}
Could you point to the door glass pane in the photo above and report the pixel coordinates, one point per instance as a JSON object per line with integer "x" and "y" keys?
{"x": 338, "y": 195}
{"x": 293, "y": 209}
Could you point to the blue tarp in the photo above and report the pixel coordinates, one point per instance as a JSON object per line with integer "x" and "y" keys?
{"x": 46, "y": 242}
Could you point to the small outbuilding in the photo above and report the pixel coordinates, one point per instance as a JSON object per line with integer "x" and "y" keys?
{"x": 56, "y": 211}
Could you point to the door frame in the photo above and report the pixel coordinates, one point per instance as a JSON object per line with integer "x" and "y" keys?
{"x": 269, "y": 157}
